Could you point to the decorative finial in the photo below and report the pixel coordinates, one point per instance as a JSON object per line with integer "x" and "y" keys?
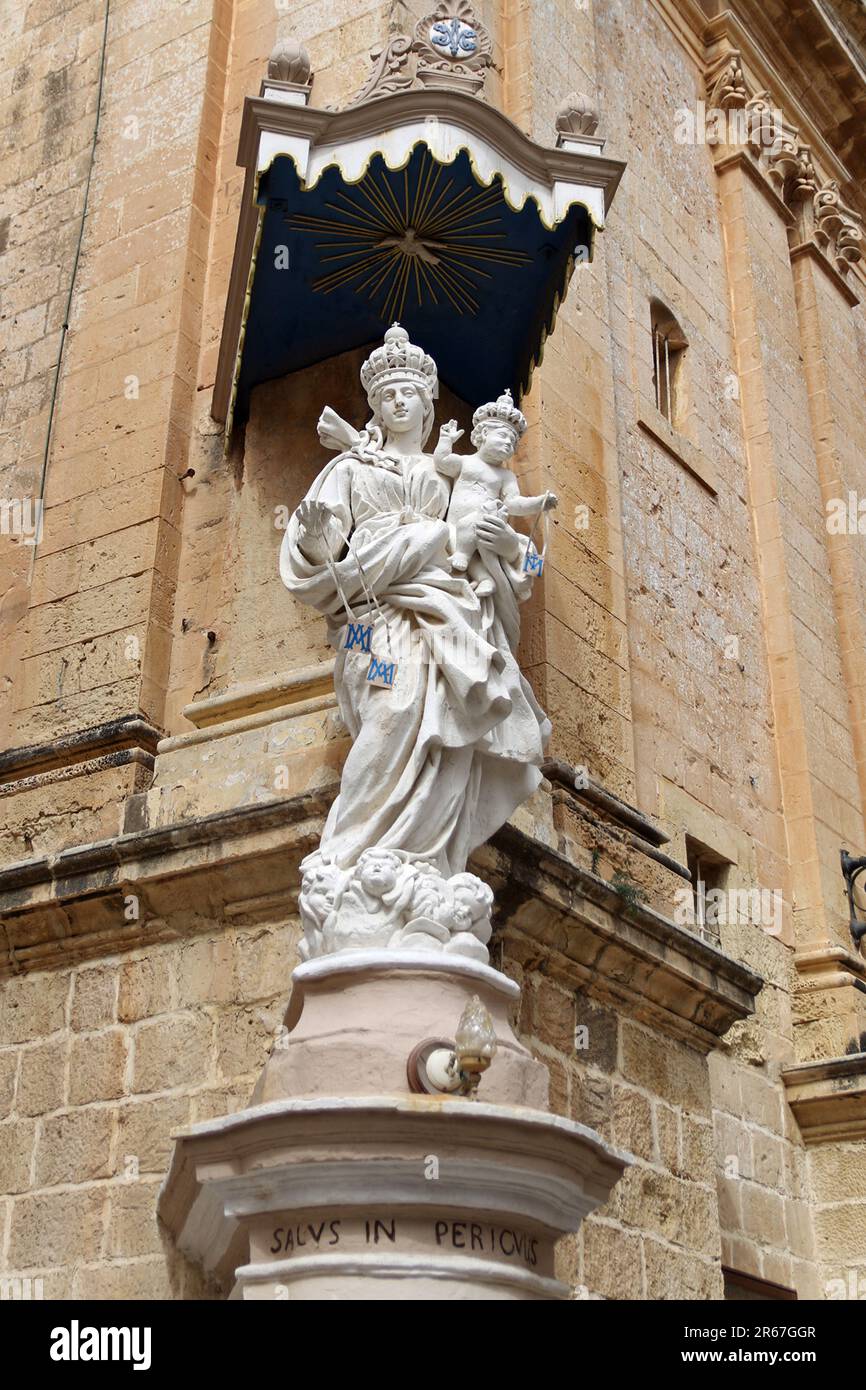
{"x": 576, "y": 116}
{"x": 289, "y": 62}
{"x": 453, "y": 47}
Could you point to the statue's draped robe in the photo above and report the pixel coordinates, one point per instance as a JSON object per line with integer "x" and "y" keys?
{"x": 439, "y": 762}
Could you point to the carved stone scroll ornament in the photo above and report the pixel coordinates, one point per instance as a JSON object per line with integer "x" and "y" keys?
{"x": 390, "y": 71}
{"x": 763, "y": 125}
{"x": 849, "y": 245}
{"x": 449, "y": 48}
{"x": 789, "y": 164}
{"x": 726, "y": 84}
{"x": 447, "y": 736}
{"x": 838, "y": 228}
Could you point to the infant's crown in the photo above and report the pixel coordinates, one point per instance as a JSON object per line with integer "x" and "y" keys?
{"x": 502, "y": 411}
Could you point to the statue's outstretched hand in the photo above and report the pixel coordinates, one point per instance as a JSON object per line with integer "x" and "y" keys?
{"x": 315, "y": 529}
{"x": 448, "y": 437}
{"x": 550, "y": 501}
{"x": 450, "y": 432}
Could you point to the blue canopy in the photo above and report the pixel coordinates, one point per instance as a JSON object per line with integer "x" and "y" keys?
{"x": 473, "y": 280}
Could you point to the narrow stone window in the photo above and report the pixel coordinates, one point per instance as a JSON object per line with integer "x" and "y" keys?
{"x": 669, "y": 344}
{"x": 709, "y": 873}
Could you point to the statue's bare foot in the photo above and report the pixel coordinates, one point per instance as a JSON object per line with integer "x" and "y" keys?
{"x": 485, "y": 587}
{"x": 459, "y": 562}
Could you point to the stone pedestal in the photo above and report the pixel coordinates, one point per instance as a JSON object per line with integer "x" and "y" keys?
{"x": 354, "y": 1018}
{"x": 339, "y": 1183}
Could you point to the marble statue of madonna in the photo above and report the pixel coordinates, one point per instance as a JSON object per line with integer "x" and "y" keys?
{"x": 447, "y": 737}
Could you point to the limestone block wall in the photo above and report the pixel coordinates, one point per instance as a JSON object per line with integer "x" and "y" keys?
{"x": 97, "y": 635}
{"x": 833, "y": 351}
{"x": 836, "y": 1175}
{"x": 721, "y": 1175}
{"x": 50, "y": 66}
{"x": 701, "y": 714}
{"x": 702, "y": 595}
{"x": 574, "y": 646}
{"x": 100, "y": 1064}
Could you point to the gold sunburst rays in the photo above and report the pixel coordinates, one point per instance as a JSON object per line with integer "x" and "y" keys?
{"x": 392, "y": 236}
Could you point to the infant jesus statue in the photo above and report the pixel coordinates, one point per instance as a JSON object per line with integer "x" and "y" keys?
{"x": 483, "y": 485}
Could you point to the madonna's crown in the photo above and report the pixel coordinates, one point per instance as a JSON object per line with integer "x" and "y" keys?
{"x": 499, "y": 412}
{"x": 398, "y": 360}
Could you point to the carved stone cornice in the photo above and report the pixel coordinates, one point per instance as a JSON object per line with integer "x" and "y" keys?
{"x": 623, "y": 953}
{"x": 243, "y": 863}
{"x": 128, "y": 739}
{"x": 781, "y": 156}
{"x": 829, "y": 1099}
{"x": 687, "y": 20}
{"x": 730, "y": 32}
{"x": 70, "y": 906}
{"x": 236, "y": 1179}
{"x": 250, "y": 699}
{"x": 790, "y": 46}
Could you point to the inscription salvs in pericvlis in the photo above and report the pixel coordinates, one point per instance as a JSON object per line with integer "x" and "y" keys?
{"x": 456, "y": 1235}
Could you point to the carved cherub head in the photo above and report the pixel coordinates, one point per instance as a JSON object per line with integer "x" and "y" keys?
{"x": 432, "y": 898}
{"x": 495, "y": 443}
{"x": 378, "y": 871}
{"x": 473, "y": 894}
{"x": 319, "y": 892}
{"x": 473, "y": 902}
